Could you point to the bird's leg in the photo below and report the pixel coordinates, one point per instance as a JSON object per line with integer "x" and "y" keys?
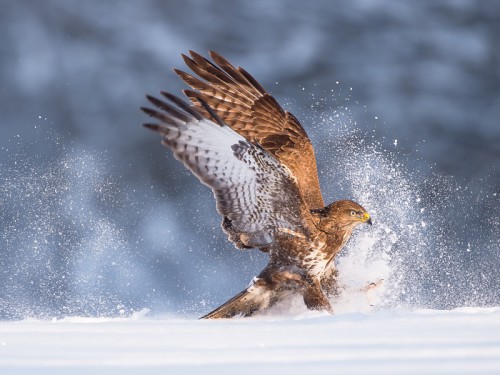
{"x": 315, "y": 298}
{"x": 329, "y": 281}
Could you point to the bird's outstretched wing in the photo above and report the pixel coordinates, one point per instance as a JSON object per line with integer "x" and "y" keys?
{"x": 241, "y": 102}
{"x": 255, "y": 194}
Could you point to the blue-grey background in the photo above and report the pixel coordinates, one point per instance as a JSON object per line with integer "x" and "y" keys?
{"x": 96, "y": 220}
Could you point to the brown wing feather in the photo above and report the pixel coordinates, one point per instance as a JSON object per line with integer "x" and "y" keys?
{"x": 241, "y": 102}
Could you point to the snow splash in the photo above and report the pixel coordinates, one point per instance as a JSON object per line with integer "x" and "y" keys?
{"x": 61, "y": 252}
{"x": 434, "y": 243}
{"x": 381, "y": 252}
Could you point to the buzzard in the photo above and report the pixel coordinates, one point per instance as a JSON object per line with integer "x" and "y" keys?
{"x": 260, "y": 165}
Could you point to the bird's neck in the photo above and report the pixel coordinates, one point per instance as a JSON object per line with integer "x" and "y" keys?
{"x": 329, "y": 224}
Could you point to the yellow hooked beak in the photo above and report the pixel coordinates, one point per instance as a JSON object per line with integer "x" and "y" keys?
{"x": 366, "y": 218}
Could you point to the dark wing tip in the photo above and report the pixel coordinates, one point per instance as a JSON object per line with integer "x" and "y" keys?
{"x": 170, "y": 96}
{"x": 178, "y": 72}
{"x": 154, "y": 127}
{"x": 215, "y": 55}
{"x": 157, "y": 102}
{"x": 195, "y": 55}
{"x": 158, "y": 128}
{"x": 148, "y": 111}
{"x": 182, "y": 104}
{"x": 161, "y": 130}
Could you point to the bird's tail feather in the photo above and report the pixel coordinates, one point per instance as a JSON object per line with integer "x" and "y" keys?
{"x": 254, "y": 298}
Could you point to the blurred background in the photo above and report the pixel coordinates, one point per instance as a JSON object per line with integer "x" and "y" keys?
{"x": 97, "y": 219}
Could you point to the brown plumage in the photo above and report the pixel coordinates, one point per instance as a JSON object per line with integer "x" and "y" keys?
{"x": 260, "y": 164}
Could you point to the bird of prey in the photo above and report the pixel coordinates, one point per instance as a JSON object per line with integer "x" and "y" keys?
{"x": 260, "y": 164}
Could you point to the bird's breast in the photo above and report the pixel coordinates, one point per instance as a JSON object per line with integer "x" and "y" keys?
{"x": 316, "y": 257}
{"x": 311, "y": 254}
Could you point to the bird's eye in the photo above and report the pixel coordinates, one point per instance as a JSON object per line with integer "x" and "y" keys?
{"x": 353, "y": 213}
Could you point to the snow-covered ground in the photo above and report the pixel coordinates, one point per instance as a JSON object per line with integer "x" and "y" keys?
{"x": 461, "y": 341}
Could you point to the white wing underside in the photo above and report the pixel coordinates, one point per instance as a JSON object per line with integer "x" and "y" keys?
{"x": 252, "y": 189}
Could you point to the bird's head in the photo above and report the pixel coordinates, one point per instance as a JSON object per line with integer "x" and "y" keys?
{"x": 344, "y": 214}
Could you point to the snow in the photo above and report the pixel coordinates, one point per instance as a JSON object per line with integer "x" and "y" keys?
{"x": 460, "y": 341}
